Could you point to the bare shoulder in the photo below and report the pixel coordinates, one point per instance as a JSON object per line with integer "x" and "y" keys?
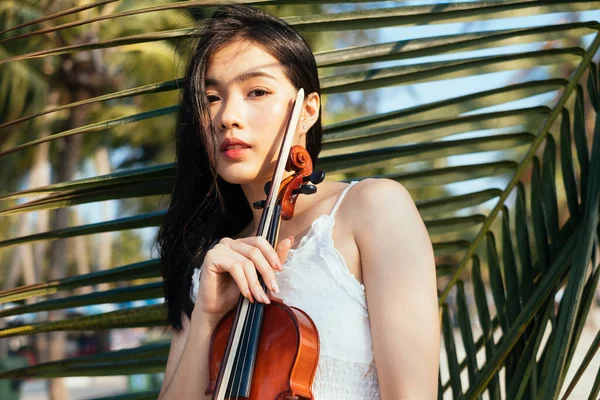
{"x": 376, "y": 198}
{"x": 371, "y": 189}
{"x": 382, "y": 211}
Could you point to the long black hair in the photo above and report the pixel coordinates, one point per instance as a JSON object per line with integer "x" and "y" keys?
{"x": 204, "y": 207}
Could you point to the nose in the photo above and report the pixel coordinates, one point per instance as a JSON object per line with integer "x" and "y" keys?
{"x": 230, "y": 114}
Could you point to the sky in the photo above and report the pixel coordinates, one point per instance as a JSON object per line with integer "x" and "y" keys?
{"x": 392, "y": 98}
{"x": 438, "y": 90}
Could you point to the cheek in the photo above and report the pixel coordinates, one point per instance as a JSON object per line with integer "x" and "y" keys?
{"x": 269, "y": 122}
{"x": 269, "y": 127}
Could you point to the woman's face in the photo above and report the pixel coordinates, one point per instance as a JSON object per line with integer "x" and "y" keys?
{"x": 250, "y": 100}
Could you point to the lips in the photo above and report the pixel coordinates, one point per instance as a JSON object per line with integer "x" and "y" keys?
{"x": 234, "y": 149}
{"x": 233, "y": 144}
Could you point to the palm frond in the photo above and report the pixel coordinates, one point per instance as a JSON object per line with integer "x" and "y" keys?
{"x": 512, "y": 214}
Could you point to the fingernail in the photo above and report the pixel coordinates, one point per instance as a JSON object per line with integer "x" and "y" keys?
{"x": 249, "y": 295}
{"x": 266, "y": 299}
{"x": 274, "y": 286}
{"x": 279, "y": 266}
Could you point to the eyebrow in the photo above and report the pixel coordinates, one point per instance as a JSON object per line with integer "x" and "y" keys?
{"x": 242, "y": 77}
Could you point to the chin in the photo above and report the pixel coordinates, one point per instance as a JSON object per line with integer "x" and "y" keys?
{"x": 244, "y": 173}
{"x": 238, "y": 176}
{"x": 237, "y": 180}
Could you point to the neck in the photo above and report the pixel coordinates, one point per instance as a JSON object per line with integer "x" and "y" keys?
{"x": 254, "y": 192}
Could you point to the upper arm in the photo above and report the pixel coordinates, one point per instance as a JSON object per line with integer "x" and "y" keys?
{"x": 399, "y": 276}
{"x": 178, "y": 341}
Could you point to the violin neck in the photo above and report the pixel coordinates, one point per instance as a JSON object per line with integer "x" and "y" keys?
{"x": 272, "y": 232}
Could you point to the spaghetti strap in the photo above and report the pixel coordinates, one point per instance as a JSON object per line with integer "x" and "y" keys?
{"x": 339, "y": 200}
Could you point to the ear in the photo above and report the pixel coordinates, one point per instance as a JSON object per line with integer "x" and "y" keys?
{"x": 309, "y": 114}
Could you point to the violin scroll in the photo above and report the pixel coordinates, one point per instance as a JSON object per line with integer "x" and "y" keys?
{"x": 300, "y": 163}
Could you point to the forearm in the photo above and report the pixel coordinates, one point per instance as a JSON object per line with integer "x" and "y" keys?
{"x": 190, "y": 379}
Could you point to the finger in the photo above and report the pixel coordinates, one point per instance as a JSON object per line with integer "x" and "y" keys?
{"x": 284, "y": 247}
{"x": 251, "y": 259}
{"x": 256, "y": 256}
{"x": 235, "y": 268}
{"x": 267, "y": 250}
{"x": 253, "y": 282}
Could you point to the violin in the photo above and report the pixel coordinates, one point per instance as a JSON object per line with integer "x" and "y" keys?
{"x": 270, "y": 351}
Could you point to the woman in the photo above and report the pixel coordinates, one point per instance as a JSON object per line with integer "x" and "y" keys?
{"x": 336, "y": 257}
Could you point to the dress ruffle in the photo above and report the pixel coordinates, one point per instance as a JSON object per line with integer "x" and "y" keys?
{"x": 195, "y": 285}
{"x": 342, "y": 380}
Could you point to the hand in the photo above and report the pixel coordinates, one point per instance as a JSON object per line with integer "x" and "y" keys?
{"x": 230, "y": 268}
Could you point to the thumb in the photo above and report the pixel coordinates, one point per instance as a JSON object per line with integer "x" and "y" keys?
{"x": 283, "y": 247}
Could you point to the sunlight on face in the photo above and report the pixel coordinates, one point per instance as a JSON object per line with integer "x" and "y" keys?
{"x": 250, "y": 100}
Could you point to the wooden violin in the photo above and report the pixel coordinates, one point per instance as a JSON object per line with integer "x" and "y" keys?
{"x": 270, "y": 351}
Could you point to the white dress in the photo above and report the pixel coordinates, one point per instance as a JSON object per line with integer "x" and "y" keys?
{"x": 316, "y": 279}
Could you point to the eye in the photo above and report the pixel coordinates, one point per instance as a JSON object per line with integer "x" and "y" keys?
{"x": 259, "y": 92}
{"x": 213, "y": 98}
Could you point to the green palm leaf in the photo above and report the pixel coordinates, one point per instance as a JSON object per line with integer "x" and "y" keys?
{"x": 504, "y": 248}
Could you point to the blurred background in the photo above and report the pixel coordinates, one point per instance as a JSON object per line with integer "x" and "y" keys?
{"x": 484, "y": 111}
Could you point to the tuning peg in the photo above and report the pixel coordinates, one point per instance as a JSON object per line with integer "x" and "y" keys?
{"x": 316, "y": 177}
{"x": 259, "y": 204}
{"x": 305, "y": 189}
{"x": 267, "y": 187}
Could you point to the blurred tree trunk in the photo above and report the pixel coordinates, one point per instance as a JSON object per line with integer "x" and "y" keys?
{"x": 40, "y": 176}
{"x": 26, "y": 261}
{"x": 83, "y": 76}
{"x": 104, "y": 248}
{"x": 80, "y": 247}
{"x": 80, "y": 251}
{"x": 23, "y": 261}
{"x": 68, "y": 158}
{"x": 19, "y": 255}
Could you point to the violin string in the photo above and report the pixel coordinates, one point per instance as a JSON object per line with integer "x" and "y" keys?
{"x": 252, "y": 312}
{"x": 249, "y": 313}
{"x": 254, "y": 307}
{"x": 243, "y": 350}
{"x": 251, "y": 308}
{"x": 236, "y": 357}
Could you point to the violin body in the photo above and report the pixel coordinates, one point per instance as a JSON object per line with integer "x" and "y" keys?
{"x": 288, "y": 352}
